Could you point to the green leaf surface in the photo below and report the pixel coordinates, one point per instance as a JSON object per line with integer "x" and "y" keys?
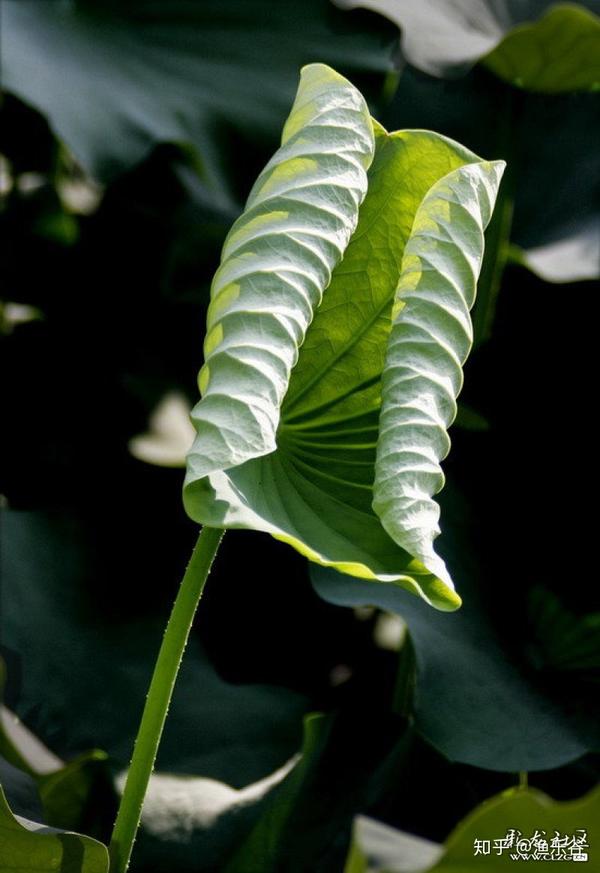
{"x": 525, "y": 43}
{"x": 293, "y": 820}
{"x": 356, "y": 861}
{"x": 68, "y": 793}
{"x": 66, "y": 790}
{"x": 483, "y": 697}
{"x": 312, "y": 436}
{"x": 266, "y": 847}
{"x": 559, "y": 53}
{"x": 527, "y": 811}
{"x": 21, "y": 791}
{"x": 49, "y": 573}
{"x": 469, "y": 419}
{"x": 307, "y": 821}
{"x": 564, "y": 642}
{"x": 520, "y": 812}
{"x": 27, "y": 847}
{"x": 231, "y": 735}
{"x": 541, "y": 137}
{"x": 116, "y": 79}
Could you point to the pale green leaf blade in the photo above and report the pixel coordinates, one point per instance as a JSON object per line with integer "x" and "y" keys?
{"x": 430, "y": 339}
{"x": 28, "y": 847}
{"x": 277, "y": 261}
{"x": 559, "y": 53}
{"x": 315, "y": 492}
{"x": 338, "y": 373}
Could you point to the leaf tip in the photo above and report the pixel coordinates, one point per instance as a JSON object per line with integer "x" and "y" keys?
{"x": 444, "y": 598}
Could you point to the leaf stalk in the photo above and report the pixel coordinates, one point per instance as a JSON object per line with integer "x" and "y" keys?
{"x": 159, "y": 697}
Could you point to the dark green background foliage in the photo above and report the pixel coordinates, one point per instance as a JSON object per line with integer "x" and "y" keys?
{"x": 172, "y": 108}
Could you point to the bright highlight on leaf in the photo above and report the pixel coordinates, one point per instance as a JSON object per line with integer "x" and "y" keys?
{"x": 430, "y": 339}
{"x": 336, "y": 333}
{"x": 276, "y": 262}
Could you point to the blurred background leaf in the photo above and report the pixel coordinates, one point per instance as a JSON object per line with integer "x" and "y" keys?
{"x": 524, "y": 41}
{"x": 32, "y": 848}
{"x": 55, "y": 572}
{"x": 557, "y": 53}
{"x": 482, "y": 696}
{"x": 129, "y": 137}
{"x": 530, "y": 812}
{"x": 218, "y": 75}
{"x": 306, "y": 824}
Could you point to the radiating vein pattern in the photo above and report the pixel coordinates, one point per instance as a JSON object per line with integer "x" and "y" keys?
{"x": 302, "y": 431}
{"x": 430, "y": 339}
{"x": 276, "y": 262}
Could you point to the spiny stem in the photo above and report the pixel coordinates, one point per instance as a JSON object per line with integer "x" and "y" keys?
{"x": 159, "y": 697}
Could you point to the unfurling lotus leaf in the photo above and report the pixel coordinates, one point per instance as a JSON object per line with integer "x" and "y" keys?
{"x": 336, "y": 333}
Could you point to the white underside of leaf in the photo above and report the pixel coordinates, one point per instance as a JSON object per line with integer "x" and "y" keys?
{"x": 430, "y": 339}
{"x": 276, "y": 263}
{"x": 346, "y": 474}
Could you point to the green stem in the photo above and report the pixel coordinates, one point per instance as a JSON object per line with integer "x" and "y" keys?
{"x": 159, "y": 697}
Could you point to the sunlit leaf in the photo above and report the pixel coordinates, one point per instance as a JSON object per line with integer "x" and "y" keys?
{"x": 430, "y": 339}
{"x": 276, "y": 262}
{"x": 293, "y": 451}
